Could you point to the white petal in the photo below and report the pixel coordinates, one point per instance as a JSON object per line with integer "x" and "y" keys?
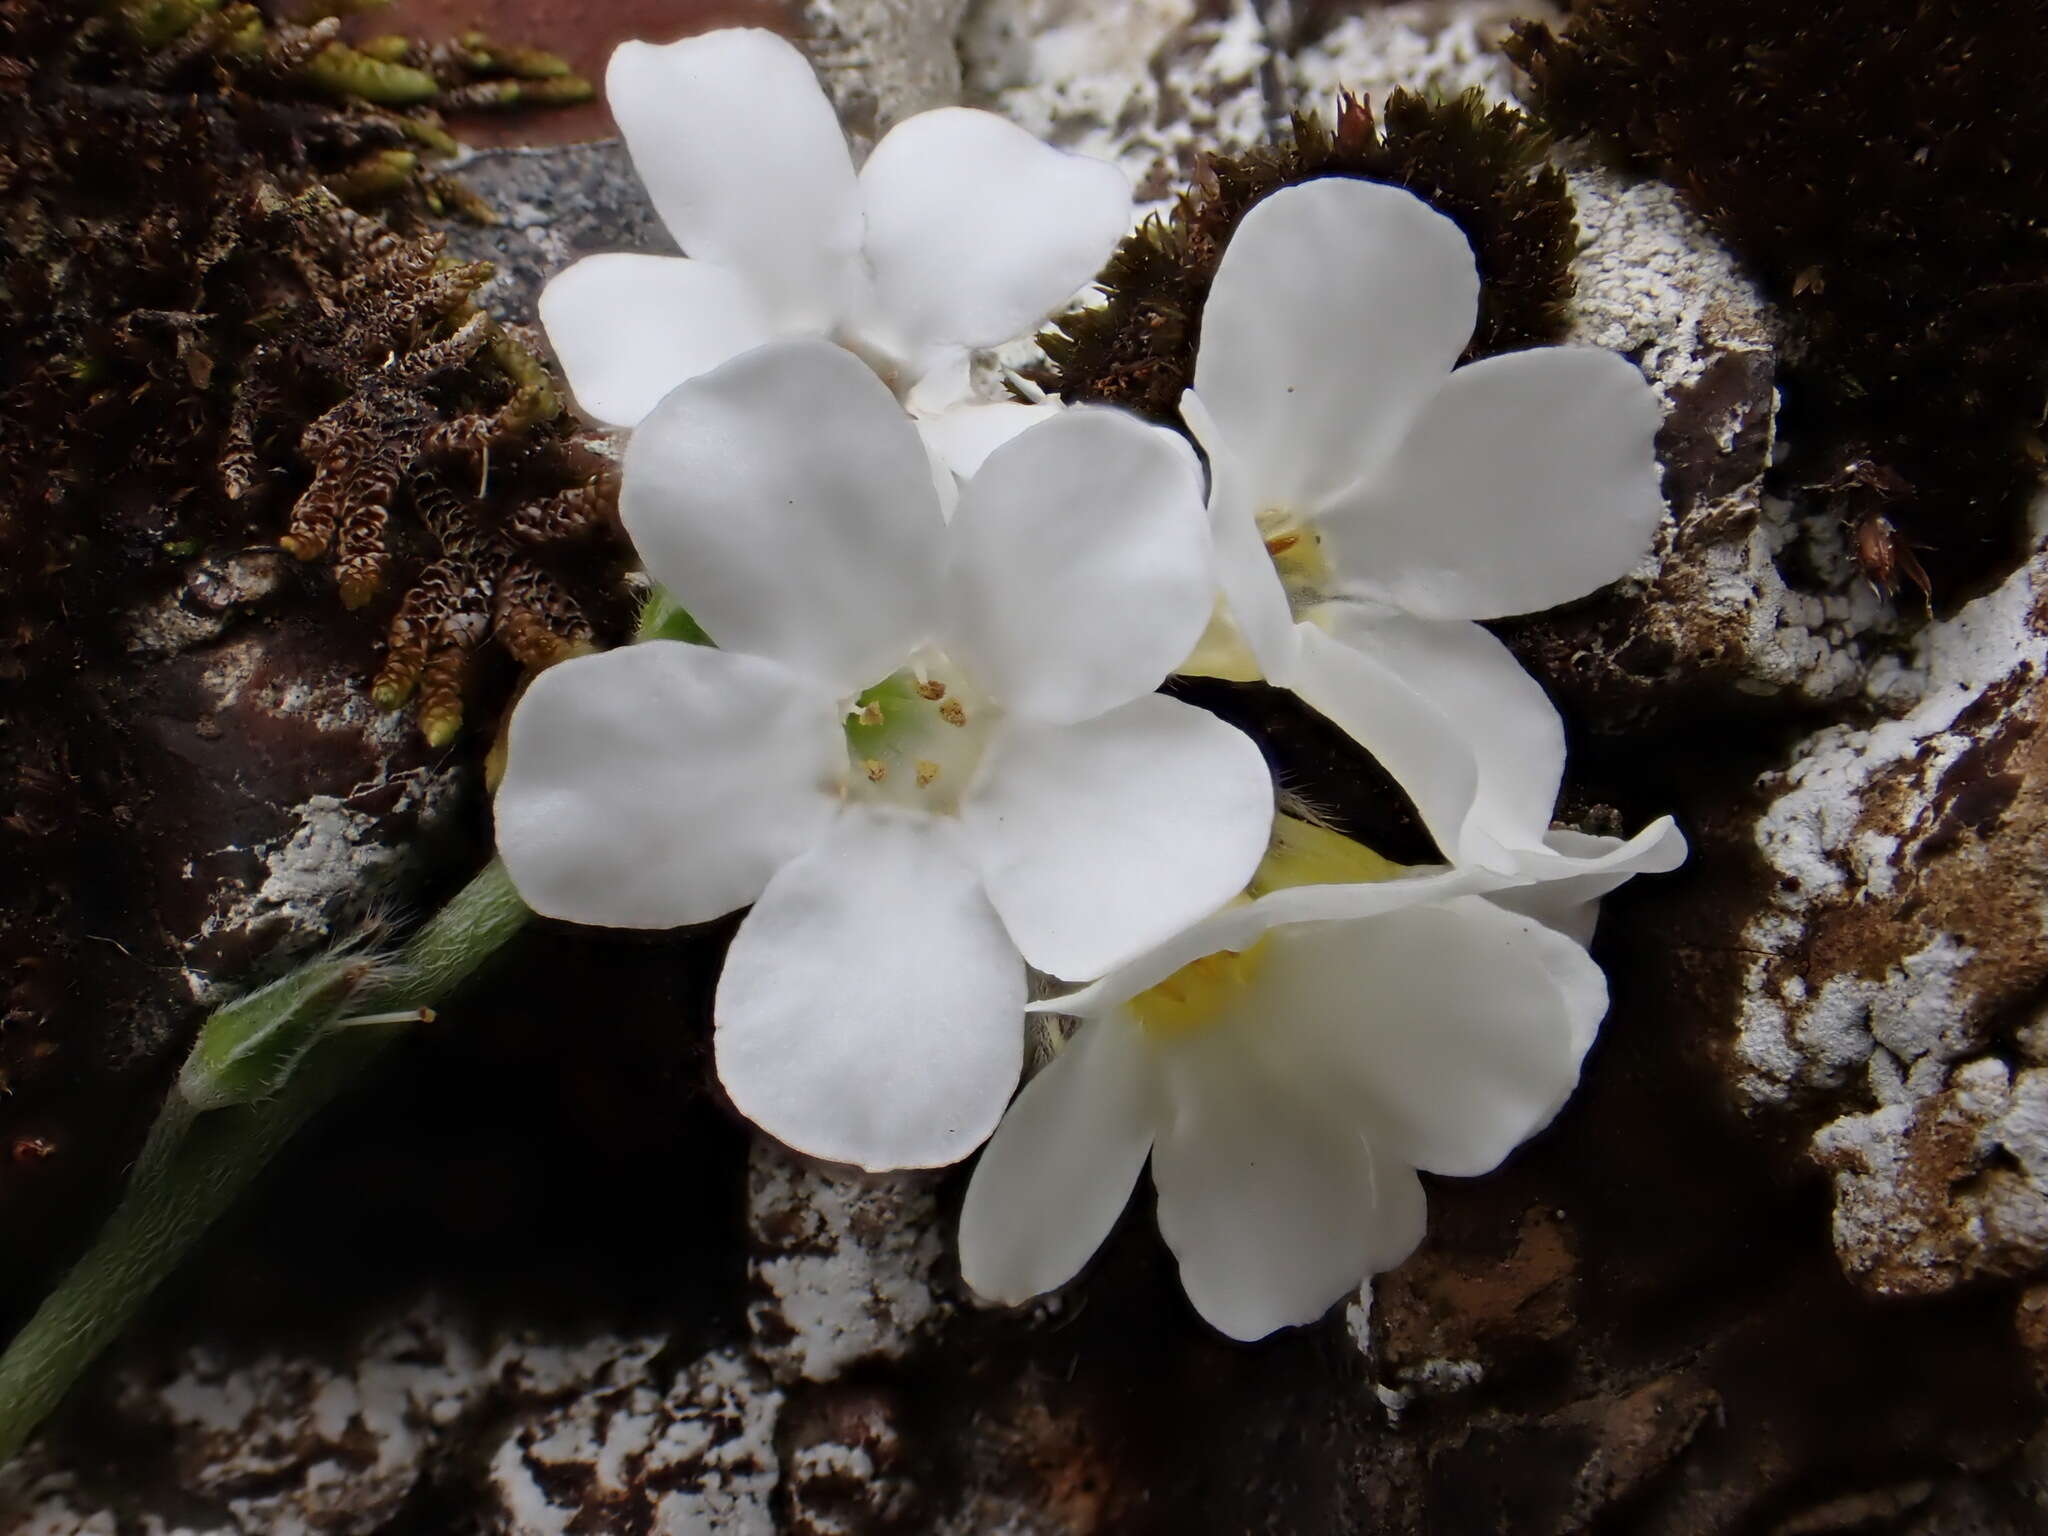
{"x": 871, "y": 1010}
{"x": 662, "y": 784}
{"x": 964, "y": 435}
{"x": 1337, "y": 310}
{"x": 976, "y": 230}
{"x": 1447, "y": 1026}
{"x": 1099, "y": 840}
{"x": 1274, "y": 1204}
{"x": 787, "y": 502}
{"x": 1078, "y": 569}
{"x": 1499, "y": 711}
{"x": 1529, "y": 481}
{"x": 1573, "y": 871}
{"x": 628, "y": 329}
{"x": 1059, "y": 1169}
{"x": 1430, "y": 755}
{"x": 1244, "y": 570}
{"x": 1239, "y": 927}
{"x": 746, "y": 164}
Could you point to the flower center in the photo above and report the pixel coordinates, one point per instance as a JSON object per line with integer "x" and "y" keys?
{"x": 1300, "y": 853}
{"x": 1297, "y": 552}
{"x": 1193, "y": 996}
{"x": 915, "y": 738}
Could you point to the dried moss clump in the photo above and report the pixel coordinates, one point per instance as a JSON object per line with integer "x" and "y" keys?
{"x": 1483, "y": 167}
{"x": 204, "y": 347}
{"x": 1882, "y": 165}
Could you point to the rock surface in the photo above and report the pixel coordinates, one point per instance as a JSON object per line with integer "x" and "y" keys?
{"x": 1823, "y": 1086}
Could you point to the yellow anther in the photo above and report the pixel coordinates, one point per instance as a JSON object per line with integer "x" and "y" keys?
{"x": 876, "y": 769}
{"x": 952, "y": 713}
{"x": 927, "y": 770}
{"x": 871, "y": 713}
{"x": 931, "y": 689}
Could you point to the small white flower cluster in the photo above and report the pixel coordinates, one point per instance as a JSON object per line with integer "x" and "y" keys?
{"x": 927, "y": 746}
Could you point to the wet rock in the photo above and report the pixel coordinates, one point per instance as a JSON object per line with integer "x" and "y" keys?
{"x": 633, "y": 1442}
{"x": 555, "y": 204}
{"x": 851, "y": 1471}
{"x": 842, "y": 1264}
{"x": 884, "y": 60}
{"x": 1945, "y": 1187}
{"x": 1149, "y": 86}
{"x": 278, "y": 1442}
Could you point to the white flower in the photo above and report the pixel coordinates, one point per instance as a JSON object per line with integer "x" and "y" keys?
{"x": 961, "y": 231}
{"x": 922, "y": 748}
{"x": 1287, "y": 1066}
{"x": 1370, "y": 503}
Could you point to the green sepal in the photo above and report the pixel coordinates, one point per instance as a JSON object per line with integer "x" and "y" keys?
{"x": 663, "y": 618}
{"x": 247, "y": 1050}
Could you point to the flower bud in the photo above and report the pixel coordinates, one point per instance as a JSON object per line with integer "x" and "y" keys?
{"x": 247, "y": 1050}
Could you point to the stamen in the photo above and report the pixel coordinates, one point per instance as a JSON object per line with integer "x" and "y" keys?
{"x": 876, "y": 769}
{"x": 933, "y": 689}
{"x": 927, "y": 770}
{"x": 871, "y": 713}
{"x": 952, "y": 712}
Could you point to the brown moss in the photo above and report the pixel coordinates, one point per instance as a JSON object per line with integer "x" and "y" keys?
{"x": 1483, "y": 167}
{"x": 1882, "y": 166}
{"x": 202, "y": 346}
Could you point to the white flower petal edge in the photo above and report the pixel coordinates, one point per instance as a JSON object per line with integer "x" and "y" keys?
{"x": 663, "y": 784}
{"x": 961, "y": 231}
{"x": 1244, "y": 570}
{"x": 1336, "y": 314}
{"x": 1450, "y": 713}
{"x": 870, "y": 1005}
{"x": 1077, "y": 577}
{"x": 627, "y": 328}
{"x": 746, "y": 163}
{"x": 1270, "y": 1197}
{"x": 1104, "y": 838}
{"x": 1333, "y": 1040}
{"x": 1059, "y": 1172}
{"x": 1560, "y": 884}
{"x": 788, "y": 502}
{"x": 1529, "y": 480}
{"x": 976, "y": 230}
{"x": 962, "y": 436}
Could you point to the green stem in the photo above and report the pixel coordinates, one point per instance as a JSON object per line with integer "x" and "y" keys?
{"x": 196, "y": 1165}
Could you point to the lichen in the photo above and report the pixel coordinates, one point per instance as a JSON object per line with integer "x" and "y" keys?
{"x": 1882, "y": 168}
{"x": 1481, "y": 165}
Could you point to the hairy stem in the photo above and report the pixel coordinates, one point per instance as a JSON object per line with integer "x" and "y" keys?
{"x": 195, "y": 1165}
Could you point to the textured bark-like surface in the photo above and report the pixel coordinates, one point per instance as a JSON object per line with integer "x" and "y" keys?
{"x": 1778, "y": 1267}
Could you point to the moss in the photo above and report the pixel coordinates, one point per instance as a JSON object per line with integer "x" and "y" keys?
{"x": 1481, "y": 166}
{"x": 1882, "y": 167}
{"x": 205, "y": 347}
